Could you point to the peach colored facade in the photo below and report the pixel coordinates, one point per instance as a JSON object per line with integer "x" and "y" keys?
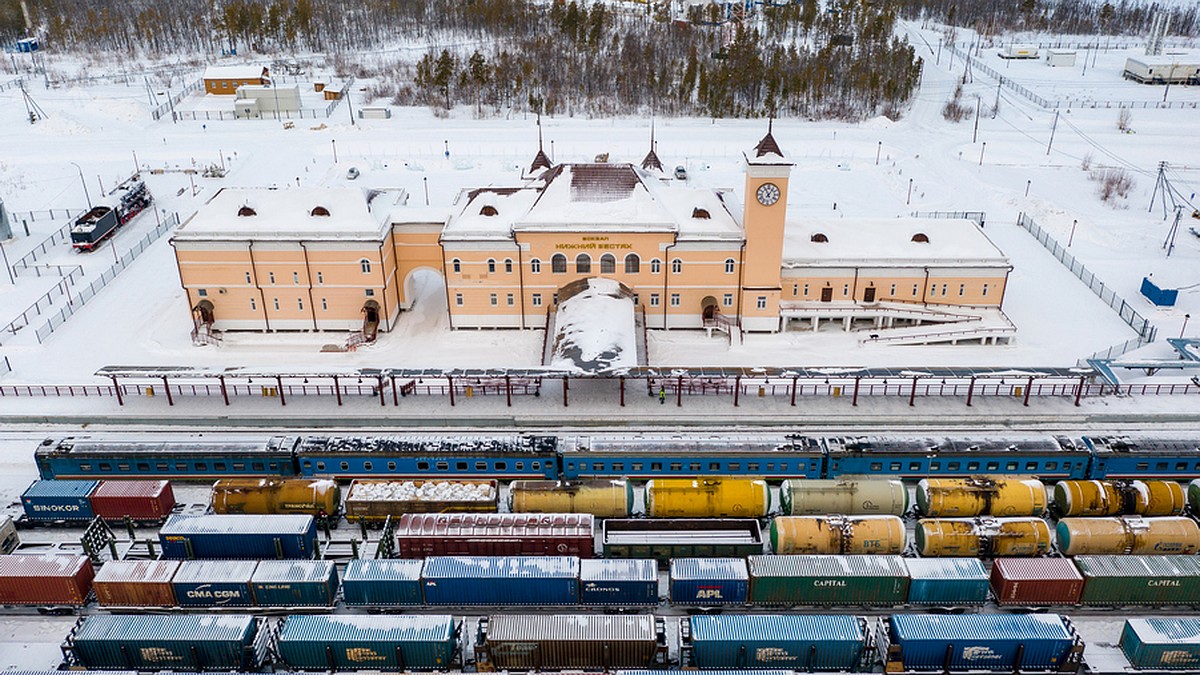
{"x": 225, "y": 80}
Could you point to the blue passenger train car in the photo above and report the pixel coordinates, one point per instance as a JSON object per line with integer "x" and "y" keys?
{"x": 90, "y": 458}
{"x": 426, "y": 456}
{"x": 1047, "y": 457}
{"x": 643, "y": 457}
{"x": 1144, "y": 457}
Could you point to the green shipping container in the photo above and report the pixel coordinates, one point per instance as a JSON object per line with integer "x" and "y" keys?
{"x": 1149, "y": 580}
{"x": 828, "y": 580}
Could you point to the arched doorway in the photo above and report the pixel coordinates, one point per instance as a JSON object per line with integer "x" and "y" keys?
{"x": 204, "y": 312}
{"x": 370, "y": 312}
{"x": 709, "y": 307}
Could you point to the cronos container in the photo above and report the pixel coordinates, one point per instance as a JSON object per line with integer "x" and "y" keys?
{"x": 712, "y": 497}
{"x": 382, "y": 583}
{"x": 1036, "y": 581}
{"x": 372, "y": 499}
{"x": 1139, "y": 580}
{"x": 857, "y": 497}
{"x": 577, "y": 642}
{"x": 825, "y": 643}
{"x": 136, "y": 583}
{"x": 238, "y": 537}
{"x": 275, "y": 496}
{"x": 175, "y": 642}
{"x": 45, "y": 579}
{"x": 980, "y": 642}
{"x": 1162, "y": 643}
{"x": 214, "y": 583}
{"x": 601, "y": 498}
{"x": 59, "y": 499}
{"x": 364, "y": 642}
{"x": 295, "y": 583}
{"x": 510, "y": 580}
{"x": 150, "y": 500}
{"x": 419, "y": 535}
{"x": 828, "y": 580}
{"x": 709, "y": 581}
{"x": 946, "y": 581}
{"x": 618, "y": 582}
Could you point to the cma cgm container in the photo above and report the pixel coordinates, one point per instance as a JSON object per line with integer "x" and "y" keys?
{"x": 143, "y": 500}
{"x": 828, "y": 580}
{"x": 214, "y": 583}
{"x": 1162, "y": 644}
{"x": 618, "y": 582}
{"x": 576, "y": 642}
{"x": 1139, "y": 580}
{"x": 295, "y": 583}
{"x": 980, "y": 642}
{"x": 507, "y": 580}
{"x": 420, "y": 534}
{"x": 709, "y": 581}
{"x": 59, "y": 499}
{"x": 136, "y": 583}
{"x": 836, "y": 643}
{"x": 946, "y": 581}
{"x": 382, "y": 583}
{"x": 174, "y": 642}
{"x": 363, "y": 642}
{"x": 1036, "y": 581}
{"x": 239, "y": 537}
{"x": 45, "y": 579}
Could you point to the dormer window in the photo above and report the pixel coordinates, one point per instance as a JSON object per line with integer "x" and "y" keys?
{"x": 921, "y": 238}
{"x": 319, "y": 211}
{"x": 700, "y": 213}
{"x": 819, "y": 238}
{"x": 247, "y": 211}
{"x": 489, "y": 210}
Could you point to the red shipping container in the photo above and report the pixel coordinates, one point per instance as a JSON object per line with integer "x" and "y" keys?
{"x": 1036, "y": 581}
{"x": 138, "y": 499}
{"x": 45, "y": 579}
{"x": 424, "y": 534}
{"x": 136, "y": 583}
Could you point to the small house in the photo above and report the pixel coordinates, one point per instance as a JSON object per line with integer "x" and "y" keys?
{"x": 1163, "y": 69}
{"x": 225, "y": 80}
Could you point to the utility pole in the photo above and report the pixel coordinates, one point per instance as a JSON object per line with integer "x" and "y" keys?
{"x": 978, "y": 105}
{"x": 996, "y": 108}
{"x": 1052, "y": 130}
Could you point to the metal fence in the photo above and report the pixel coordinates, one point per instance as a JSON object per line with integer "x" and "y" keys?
{"x": 11, "y": 84}
{"x": 306, "y": 113}
{"x": 1115, "y": 351}
{"x": 60, "y": 236}
{"x": 170, "y": 104}
{"x": 978, "y": 216}
{"x": 5, "y": 366}
{"x": 1145, "y": 330}
{"x": 44, "y": 214}
{"x": 61, "y": 290}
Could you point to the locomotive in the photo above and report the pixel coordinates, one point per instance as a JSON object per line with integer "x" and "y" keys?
{"x": 121, "y": 205}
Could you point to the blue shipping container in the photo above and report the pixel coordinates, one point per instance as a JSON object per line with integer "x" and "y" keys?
{"x": 295, "y": 583}
{"x": 59, "y": 499}
{"x": 376, "y": 583}
{"x": 829, "y": 642}
{"x": 709, "y": 581}
{"x": 1162, "y": 644}
{"x": 946, "y": 581}
{"x": 981, "y": 641}
{"x": 501, "y": 580}
{"x": 175, "y": 642}
{"x": 630, "y": 581}
{"x": 368, "y": 642}
{"x": 214, "y": 583}
{"x": 239, "y": 537}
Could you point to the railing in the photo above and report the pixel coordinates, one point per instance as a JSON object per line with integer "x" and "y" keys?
{"x": 979, "y": 217}
{"x": 918, "y": 309}
{"x": 60, "y": 236}
{"x": 11, "y": 84}
{"x": 61, "y": 289}
{"x": 1145, "y": 330}
{"x": 170, "y": 104}
{"x": 947, "y": 335}
{"x": 5, "y": 366}
{"x": 44, "y": 214}
{"x": 1114, "y": 351}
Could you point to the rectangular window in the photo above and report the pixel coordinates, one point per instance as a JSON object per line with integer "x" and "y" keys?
{"x": 253, "y": 304}
{"x": 727, "y": 300}
{"x": 248, "y": 278}
{"x": 324, "y": 305}
{"x": 320, "y": 278}
{"x": 654, "y": 299}
{"x": 537, "y": 299}
{"x": 674, "y": 299}
{"x": 300, "y": 303}
{"x": 493, "y": 299}
{"x": 985, "y": 290}
{"x": 961, "y": 289}
{"x": 370, "y": 292}
{"x": 458, "y": 300}
{"x": 845, "y": 290}
{"x": 202, "y": 292}
{"x": 296, "y": 278}
{"x": 761, "y": 303}
{"x": 509, "y": 298}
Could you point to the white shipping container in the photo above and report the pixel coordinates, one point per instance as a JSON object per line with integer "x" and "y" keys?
{"x": 1060, "y": 57}
{"x": 1020, "y": 52}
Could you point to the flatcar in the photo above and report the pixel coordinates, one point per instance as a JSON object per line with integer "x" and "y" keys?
{"x": 1044, "y": 456}
{"x": 644, "y": 457}
{"x": 193, "y": 459}
{"x": 1142, "y": 457}
{"x": 496, "y": 457}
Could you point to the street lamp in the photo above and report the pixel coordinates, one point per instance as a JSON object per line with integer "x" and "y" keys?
{"x": 84, "y": 184}
{"x": 1185, "y": 320}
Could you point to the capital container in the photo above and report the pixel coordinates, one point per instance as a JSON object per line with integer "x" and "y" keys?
{"x": 836, "y": 580}
{"x": 421, "y": 534}
{"x": 709, "y": 581}
{"x": 1139, "y": 580}
{"x": 501, "y": 580}
{"x": 295, "y": 583}
{"x": 601, "y": 498}
{"x": 382, "y": 583}
{"x": 149, "y": 500}
{"x": 276, "y": 496}
{"x": 59, "y": 499}
{"x": 45, "y": 579}
{"x": 837, "y": 534}
{"x": 946, "y": 581}
{"x": 964, "y": 497}
{"x": 172, "y": 642}
{"x": 816, "y": 643}
{"x": 707, "y": 497}
{"x": 374, "y": 499}
{"x": 1032, "y": 582}
{"x": 1169, "y": 535}
{"x": 632, "y": 581}
{"x": 982, "y": 537}
{"x": 1114, "y": 498}
{"x": 136, "y": 583}
{"x": 568, "y": 641}
{"x": 238, "y": 537}
{"x": 214, "y": 583}
{"x": 980, "y": 642}
{"x": 849, "y": 496}
{"x": 681, "y": 538}
{"x": 367, "y": 642}
{"x": 1162, "y": 643}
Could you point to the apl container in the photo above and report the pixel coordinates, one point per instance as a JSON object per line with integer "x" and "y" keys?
{"x": 982, "y": 537}
{"x": 142, "y": 500}
{"x": 832, "y": 580}
{"x": 46, "y": 580}
{"x": 214, "y": 583}
{"x": 618, "y": 582}
{"x": 1035, "y": 582}
{"x": 505, "y": 580}
{"x": 601, "y": 498}
{"x": 382, "y": 583}
{"x": 419, "y": 535}
{"x": 276, "y": 496}
{"x": 980, "y": 642}
{"x": 1170, "y": 535}
{"x": 711, "y": 497}
{"x": 1148, "y": 580}
{"x": 852, "y": 497}
{"x": 709, "y": 581}
{"x": 136, "y": 583}
{"x": 59, "y": 499}
{"x": 295, "y": 583}
{"x": 946, "y": 582}
{"x": 964, "y": 497}
{"x": 367, "y": 642}
{"x": 174, "y": 642}
{"x": 870, "y": 535}
{"x": 1162, "y": 643}
{"x": 808, "y": 644}
{"x": 566, "y": 641}
{"x": 238, "y": 537}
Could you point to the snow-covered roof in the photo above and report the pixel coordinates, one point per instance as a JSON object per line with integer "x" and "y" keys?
{"x": 594, "y": 329}
{"x": 888, "y": 241}
{"x": 294, "y": 213}
{"x": 1181, "y": 60}
{"x": 233, "y": 72}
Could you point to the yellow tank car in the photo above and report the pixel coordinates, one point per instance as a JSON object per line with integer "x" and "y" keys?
{"x": 707, "y": 498}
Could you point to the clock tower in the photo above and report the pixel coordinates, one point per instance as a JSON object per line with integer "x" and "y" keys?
{"x": 763, "y": 218}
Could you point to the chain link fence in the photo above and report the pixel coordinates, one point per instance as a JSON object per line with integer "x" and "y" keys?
{"x": 979, "y": 217}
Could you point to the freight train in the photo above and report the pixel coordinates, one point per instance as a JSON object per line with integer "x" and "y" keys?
{"x": 102, "y": 221}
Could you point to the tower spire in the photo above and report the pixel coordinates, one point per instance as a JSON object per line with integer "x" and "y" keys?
{"x": 540, "y": 160}
{"x": 651, "y": 160}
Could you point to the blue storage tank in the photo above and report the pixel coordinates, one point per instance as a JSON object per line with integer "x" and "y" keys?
{"x": 981, "y": 642}
{"x": 174, "y": 642}
{"x": 1162, "y": 644}
{"x": 709, "y": 581}
{"x": 59, "y": 499}
{"x": 946, "y": 581}
{"x": 295, "y": 583}
{"x": 381, "y": 583}
{"x": 367, "y": 642}
{"x": 501, "y": 580}
{"x": 214, "y": 583}
{"x": 831, "y": 642}
{"x": 629, "y": 581}
{"x": 239, "y": 537}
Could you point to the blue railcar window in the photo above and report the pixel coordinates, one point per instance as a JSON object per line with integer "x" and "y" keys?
{"x": 1181, "y": 466}
{"x": 656, "y": 466}
{"x": 105, "y": 466}
{"x": 422, "y": 466}
{"x": 1141, "y": 466}
{"x": 972, "y": 466}
{"x": 391, "y": 466}
{"x": 1051, "y": 466}
{"x": 953, "y": 466}
{"x": 143, "y": 466}
{"x": 636, "y": 466}
{"x": 274, "y": 466}
{"x": 676, "y": 466}
{"x": 770, "y": 466}
{"x": 201, "y": 466}
{"x": 616, "y": 466}
{"x": 257, "y": 466}
{"x": 460, "y": 466}
{"x": 1162, "y": 466}
{"x": 935, "y": 466}
{"x": 367, "y": 465}
{"x": 1031, "y": 466}
{"x": 162, "y": 466}
{"x": 894, "y": 466}
{"x": 519, "y": 466}
{"x": 443, "y": 466}
{"x": 783, "y": 466}
{"x": 501, "y": 465}
{"x": 1011, "y": 466}
{"x": 694, "y": 466}
{"x": 535, "y": 465}
{"x": 219, "y": 466}
{"x": 752, "y": 466}
{"x": 125, "y": 467}
{"x": 735, "y": 466}
{"x": 181, "y": 467}
{"x": 85, "y": 467}
{"x": 914, "y": 466}
{"x": 714, "y": 466}
{"x": 481, "y": 466}
{"x": 993, "y": 466}
{"x": 877, "y": 466}
{"x": 345, "y": 466}
{"x": 239, "y": 466}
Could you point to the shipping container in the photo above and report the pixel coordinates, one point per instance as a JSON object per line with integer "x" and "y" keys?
{"x": 295, "y": 583}
{"x": 142, "y": 500}
{"x": 214, "y": 583}
{"x": 576, "y": 642}
{"x": 618, "y": 582}
{"x": 136, "y": 583}
{"x": 836, "y": 534}
{"x": 828, "y": 643}
{"x": 1033, "y": 582}
{"x": 45, "y": 580}
{"x": 982, "y": 537}
{"x": 681, "y": 538}
{"x": 828, "y": 580}
{"x": 709, "y": 581}
{"x": 848, "y": 496}
{"x": 175, "y": 642}
{"x": 1162, "y": 643}
{"x": 601, "y": 498}
{"x": 375, "y": 499}
{"x": 9, "y": 539}
{"x": 382, "y": 583}
{"x": 59, "y": 499}
{"x": 707, "y": 497}
{"x": 315, "y": 497}
{"x": 362, "y": 642}
{"x": 989, "y": 642}
{"x": 1149, "y": 580}
{"x": 966, "y": 497}
{"x": 946, "y": 582}
{"x": 419, "y": 535}
{"x": 1171, "y": 535}
{"x": 239, "y": 537}
{"x": 501, "y": 580}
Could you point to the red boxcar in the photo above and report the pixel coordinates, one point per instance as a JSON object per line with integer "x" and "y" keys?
{"x": 1036, "y": 581}
{"x": 425, "y": 534}
{"x": 45, "y": 580}
{"x": 136, "y": 583}
{"x": 138, "y": 499}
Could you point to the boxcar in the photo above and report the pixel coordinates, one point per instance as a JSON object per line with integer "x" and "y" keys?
{"x": 992, "y": 642}
{"x": 420, "y": 535}
{"x": 618, "y": 582}
{"x": 827, "y": 643}
{"x": 681, "y": 538}
{"x": 177, "y": 642}
{"x": 829, "y": 580}
{"x": 709, "y": 581}
{"x": 363, "y": 642}
{"x": 1162, "y": 643}
{"x": 569, "y": 642}
{"x": 45, "y": 580}
{"x": 295, "y": 583}
{"x": 382, "y": 583}
{"x": 136, "y": 583}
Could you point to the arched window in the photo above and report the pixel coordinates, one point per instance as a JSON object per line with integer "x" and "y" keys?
{"x": 247, "y": 211}
{"x": 608, "y": 264}
{"x": 655, "y": 266}
{"x": 633, "y": 264}
{"x": 558, "y": 264}
{"x": 319, "y": 211}
{"x": 921, "y": 238}
{"x": 365, "y": 265}
{"x": 535, "y": 266}
{"x": 583, "y": 264}
{"x": 457, "y": 265}
{"x": 508, "y": 265}
{"x": 729, "y": 265}
{"x": 488, "y": 210}
{"x": 701, "y": 214}
{"x": 491, "y": 265}
{"x": 676, "y": 266}
{"x": 819, "y": 238}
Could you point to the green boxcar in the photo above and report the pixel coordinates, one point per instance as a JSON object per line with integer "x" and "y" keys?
{"x": 828, "y": 580}
{"x": 1140, "y": 579}
{"x": 365, "y": 642}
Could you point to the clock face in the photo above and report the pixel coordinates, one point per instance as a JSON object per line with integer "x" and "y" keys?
{"x": 768, "y": 194}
